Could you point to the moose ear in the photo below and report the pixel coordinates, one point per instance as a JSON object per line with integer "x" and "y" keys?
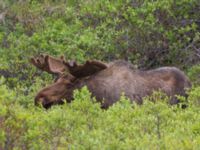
{"x": 87, "y": 69}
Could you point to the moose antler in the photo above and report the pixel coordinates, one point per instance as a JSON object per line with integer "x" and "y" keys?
{"x": 60, "y": 65}
{"x": 50, "y": 64}
{"x": 87, "y": 69}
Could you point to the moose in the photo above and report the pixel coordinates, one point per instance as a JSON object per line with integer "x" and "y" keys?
{"x": 107, "y": 81}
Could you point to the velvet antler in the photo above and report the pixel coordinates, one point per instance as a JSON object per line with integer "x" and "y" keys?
{"x": 50, "y": 64}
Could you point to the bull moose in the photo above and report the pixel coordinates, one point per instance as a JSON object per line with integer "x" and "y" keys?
{"x": 107, "y": 81}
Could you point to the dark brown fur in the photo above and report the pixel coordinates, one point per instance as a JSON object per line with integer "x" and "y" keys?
{"x": 119, "y": 77}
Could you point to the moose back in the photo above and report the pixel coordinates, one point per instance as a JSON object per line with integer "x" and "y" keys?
{"x": 107, "y": 81}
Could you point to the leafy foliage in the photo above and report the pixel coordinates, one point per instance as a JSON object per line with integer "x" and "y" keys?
{"x": 146, "y": 33}
{"x": 84, "y": 125}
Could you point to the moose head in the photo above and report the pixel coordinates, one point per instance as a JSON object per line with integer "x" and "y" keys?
{"x": 106, "y": 81}
{"x": 67, "y": 73}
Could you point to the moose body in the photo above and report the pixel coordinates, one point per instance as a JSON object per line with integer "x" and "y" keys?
{"x": 107, "y": 82}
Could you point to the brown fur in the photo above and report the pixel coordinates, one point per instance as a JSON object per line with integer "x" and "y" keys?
{"x": 119, "y": 77}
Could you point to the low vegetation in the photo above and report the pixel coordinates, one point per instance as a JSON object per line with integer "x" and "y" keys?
{"x": 146, "y": 33}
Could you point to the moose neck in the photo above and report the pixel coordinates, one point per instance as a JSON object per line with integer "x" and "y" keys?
{"x": 77, "y": 84}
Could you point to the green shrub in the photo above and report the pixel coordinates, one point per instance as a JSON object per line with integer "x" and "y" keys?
{"x": 146, "y": 33}
{"x": 194, "y": 74}
{"x": 84, "y": 125}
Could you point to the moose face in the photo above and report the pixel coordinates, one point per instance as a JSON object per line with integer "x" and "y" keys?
{"x": 56, "y": 92}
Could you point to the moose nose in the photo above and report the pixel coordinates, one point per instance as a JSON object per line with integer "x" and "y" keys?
{"x": 42, "y": 101}
{"x": 39, "y": 100}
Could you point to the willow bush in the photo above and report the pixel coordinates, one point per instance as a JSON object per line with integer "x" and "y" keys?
{"x": 146, "y": 33}
{"x": 84, "y": 125}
